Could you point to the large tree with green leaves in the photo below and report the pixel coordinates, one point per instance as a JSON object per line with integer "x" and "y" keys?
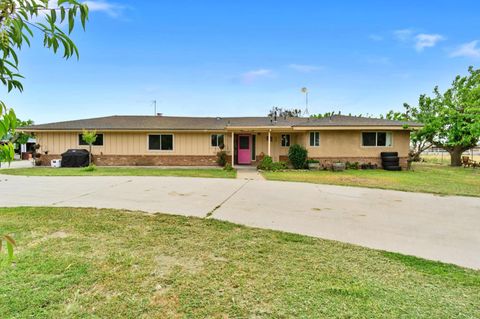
{"x": 419, "y": 141}
{"x": 20, "y": 22}
{"x": 451, "y": 119}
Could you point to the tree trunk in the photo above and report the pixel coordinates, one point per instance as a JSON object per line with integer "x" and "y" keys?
{"x": 456, "y": 156}
{"x": 90, "y": 154}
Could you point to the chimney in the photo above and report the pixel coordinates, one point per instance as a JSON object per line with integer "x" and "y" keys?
{"x": 159, "y": 114}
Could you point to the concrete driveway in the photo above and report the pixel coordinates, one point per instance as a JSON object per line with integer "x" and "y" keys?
{"x": 428, "y": 226}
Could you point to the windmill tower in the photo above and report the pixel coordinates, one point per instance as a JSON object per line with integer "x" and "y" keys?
{"x": 305, "y": 91}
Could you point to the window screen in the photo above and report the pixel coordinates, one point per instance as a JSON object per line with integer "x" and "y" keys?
{"x": 369, "y": 138}
{"x": 166, "y": 142}
{"x": 98, "y": 141}
{"x": 163, "y": 142}
{"x": 314, "y": 138}
{"x": 380, "y": 139}
{"x": 217, "y": 140}
{"x": 286, "y": 140}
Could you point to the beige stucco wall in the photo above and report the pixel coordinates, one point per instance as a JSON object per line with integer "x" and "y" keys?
{"x": 349, "y": 144}
{"x": 332, "y": 144}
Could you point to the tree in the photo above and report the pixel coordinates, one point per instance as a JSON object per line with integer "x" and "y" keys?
{"x": 451, "y": 119}
{"x": 89, "y": 137}
{"x": 19, "y": 19}
{"x": 281, "y": 112}
{"x": 418, "y": 140}
{"x": 21, "y": 137}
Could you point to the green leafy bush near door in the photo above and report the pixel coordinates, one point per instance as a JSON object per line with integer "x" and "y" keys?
{"x": 267, "y": 164}
{"x": 297, "y": 154}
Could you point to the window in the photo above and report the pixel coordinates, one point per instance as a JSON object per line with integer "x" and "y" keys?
{"x": 314, "y": 138}
{"x": 217, "y": 140}
{"x": 98, "y": 141}
{"x": 377, "y": 139}
{"x": 244, "y": 142}
{"x": 160, "y": 142}
{"x": 285, "y": 140}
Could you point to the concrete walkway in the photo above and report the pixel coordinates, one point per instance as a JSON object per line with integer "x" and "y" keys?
{"x": 248, "y": 173}
{"x": 424, "y": 225}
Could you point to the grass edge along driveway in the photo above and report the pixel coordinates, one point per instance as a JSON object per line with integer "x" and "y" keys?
{"x": 425, "y": 178}
{"x": 116, "y": 264}
{"x": 122, "y": 171}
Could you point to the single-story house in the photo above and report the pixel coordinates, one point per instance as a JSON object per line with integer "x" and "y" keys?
{"x": 195, "y": 141}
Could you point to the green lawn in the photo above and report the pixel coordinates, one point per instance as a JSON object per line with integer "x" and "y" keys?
{"x": 121, "y": 171}
{"x": 428, "y": 178}
{"x": 84, "y": 263}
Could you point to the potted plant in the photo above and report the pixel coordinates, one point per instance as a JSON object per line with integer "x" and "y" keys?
{"x": 313, "y": 164}
{"x": 338, "y": 166}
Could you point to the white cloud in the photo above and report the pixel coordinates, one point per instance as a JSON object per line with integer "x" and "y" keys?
{"x": 304, "y": 68}
{"x": 469, "y": 50}
{"x": 403, "y": 35}
{"x": 424, "y": 40}
{"x": 112, "y": 9}
{"x": 420, "y": 41}
{"x": 251, "y": 76}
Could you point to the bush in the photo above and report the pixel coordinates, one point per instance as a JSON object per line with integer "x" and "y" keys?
{"x": 312, "y": 161}
{"x": 90, "y": 168}
{"x": 267, "y": 164}
{"x": 222, "y": 158}
{"x": 354, "y": 165}
{"x": 228, "y": 167}
{"x": 297, "y": 155}
{"x": 278, "y": 166}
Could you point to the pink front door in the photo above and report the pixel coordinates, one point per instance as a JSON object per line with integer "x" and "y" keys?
{"x": 244, "y": 152}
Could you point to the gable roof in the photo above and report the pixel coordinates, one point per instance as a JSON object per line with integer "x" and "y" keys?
{"x": 139, "y": 122}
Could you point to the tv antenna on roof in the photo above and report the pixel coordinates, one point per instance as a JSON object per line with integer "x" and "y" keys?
{"x": 305, "y": 91}
{"x": 154, "y": 102}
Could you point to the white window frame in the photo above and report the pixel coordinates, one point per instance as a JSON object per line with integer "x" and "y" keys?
{"x": 376, "y": 139}
{"x": 160, "y": 150}
{"x": 289, "y": 140}
{"x": 217, "y": 135}
{"x": 309, "y": 138}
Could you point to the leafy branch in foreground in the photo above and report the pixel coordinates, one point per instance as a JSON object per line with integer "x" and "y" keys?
{"x": 9, "y": 243}
{"x": 20, "y": 21}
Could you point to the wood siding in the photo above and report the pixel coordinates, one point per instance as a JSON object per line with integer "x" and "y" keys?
{"x": 332, "y": 144}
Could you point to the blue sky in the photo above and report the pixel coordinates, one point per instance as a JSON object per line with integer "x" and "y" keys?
{"x": 240, "y": 58}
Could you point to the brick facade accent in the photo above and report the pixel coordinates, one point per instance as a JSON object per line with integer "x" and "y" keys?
{"x": 328, "y": 161}
{"x": 142, "y": 160}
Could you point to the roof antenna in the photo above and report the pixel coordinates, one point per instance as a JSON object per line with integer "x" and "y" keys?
{"x": 154, "y": 102}
{"x": 305, "y": 91}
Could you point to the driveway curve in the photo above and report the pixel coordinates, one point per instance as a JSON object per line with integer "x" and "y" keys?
{"x": 443, "y": 228}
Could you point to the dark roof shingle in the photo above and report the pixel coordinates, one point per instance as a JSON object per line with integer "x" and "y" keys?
{"x": 137, "y": 122}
